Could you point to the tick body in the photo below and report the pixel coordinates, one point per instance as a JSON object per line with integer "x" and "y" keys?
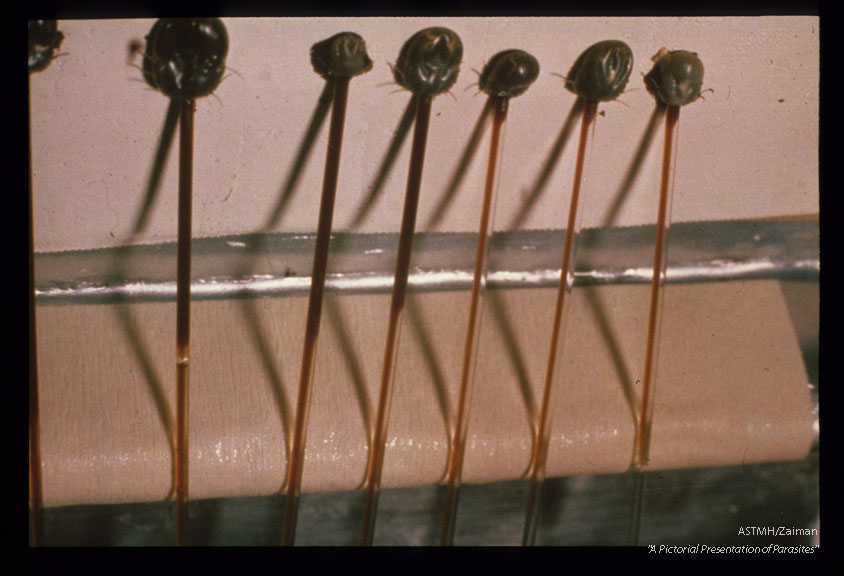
{"x": 509, "y": 73}
{"x": 429, "y": 62}
{"x": 185, "y": 58}
{"x": 341, "y": 56}
{"x": 337, "y": 60}
{"x": 676, "y": 78}
{"x": 601, "y": 72}
{"x": 44, "y": 40}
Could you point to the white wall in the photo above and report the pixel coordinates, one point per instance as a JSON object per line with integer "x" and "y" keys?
{"x": 749, "y": 150}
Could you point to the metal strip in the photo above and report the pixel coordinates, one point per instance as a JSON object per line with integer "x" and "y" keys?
{"x": 279, "y": 264}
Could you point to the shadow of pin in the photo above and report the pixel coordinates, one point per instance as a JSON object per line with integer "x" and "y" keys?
{"x": 417, "y": 324}
{"x": 548, "y": 167}
{"x": 501, "y": 315}
{"x": 336, "y": 317}
{"x": 287, "y": 192}
{"x": 633, "y": 169}
{"x": 594, "y": 301}
{"x": 554, "y": 497}
{"x": 141, "y": 355}
{"x": 387, "y": 163}
{"x": 269, "y": 358}
{"x": 460, "y": 170}
{"x": 168, "y": 132}
{"x": 608, "y": 332}
{"x": 255, "y": 240}
{"x": 127, "y": 320}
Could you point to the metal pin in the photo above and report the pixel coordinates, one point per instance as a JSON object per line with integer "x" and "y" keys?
{"x": 183, "y": 313}
{"x": 598, "y": 75}
{"x": 185, "y": 60}
{"x": 428, "y": 64}
{"x": 337, "y": 59}
{"x": 44, "y": 39}
{"x": 675, "y": 80}
{"x": 506, "y": 75}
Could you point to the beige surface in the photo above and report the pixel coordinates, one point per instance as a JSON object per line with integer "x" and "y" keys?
{"x": 749, "y": 150}
{"x": 732, "y": 388}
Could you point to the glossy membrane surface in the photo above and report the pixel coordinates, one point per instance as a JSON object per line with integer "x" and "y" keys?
{"x": 44, "y": 40}
{"x": 509, "y": 73}
{"x": 429, "y": 61}
{"x": 185, "y": 58}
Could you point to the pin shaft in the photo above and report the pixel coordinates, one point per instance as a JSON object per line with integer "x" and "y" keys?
{"x": 375, "y": 464}
{"x": 183, "y": 281}
{"x": 457, "y": 448}
{"x": 543, "y": 430}
{"x": 641, "y": 457}
{"x": 323, "y": 241}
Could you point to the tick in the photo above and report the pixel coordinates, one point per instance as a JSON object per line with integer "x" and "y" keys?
{"x": 336, "y": 59}
{"x": 509, "y": 73}
{"x": 675, "y": 81}
{"x": 45, "y": 39}
{"x": 184, "y": 59}
{"x": 599, "y": 74}
{"x": 506, "y": 75}
{"x": 341, "y": 56}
